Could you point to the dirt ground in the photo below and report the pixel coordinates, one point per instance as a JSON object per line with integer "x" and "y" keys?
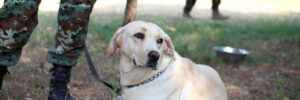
{"x": 29, "y": 81}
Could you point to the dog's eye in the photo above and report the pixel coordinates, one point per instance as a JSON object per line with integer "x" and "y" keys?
{"x": 160, "y": 41}
{"x": 139, "y": 35}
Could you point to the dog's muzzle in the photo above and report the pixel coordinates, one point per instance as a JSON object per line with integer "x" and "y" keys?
{"x": 153, "y": 57}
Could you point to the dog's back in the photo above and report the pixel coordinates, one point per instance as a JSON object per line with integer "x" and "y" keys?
{"x": 202, "y": 82}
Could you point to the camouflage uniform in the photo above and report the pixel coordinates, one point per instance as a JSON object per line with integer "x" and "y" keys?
{"x": 73, "y": 18}
{"x": 18, "y": 18}
{"x": 190, "y": 4}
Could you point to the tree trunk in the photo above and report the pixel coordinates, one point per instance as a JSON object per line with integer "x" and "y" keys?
{"x": 130, "y": 11}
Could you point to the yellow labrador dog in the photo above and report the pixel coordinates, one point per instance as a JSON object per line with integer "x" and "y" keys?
{"x": 151, "y": 69}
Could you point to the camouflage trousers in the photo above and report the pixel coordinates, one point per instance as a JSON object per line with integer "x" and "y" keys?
{"x": 190, "y": 4}
{"x": 18, "y": 18}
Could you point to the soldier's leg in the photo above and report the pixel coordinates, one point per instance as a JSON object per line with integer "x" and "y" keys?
{"x": 18, "y": 18}
{"x": 215, "y": 5}
{"x": 216, "y": 13}
{"x": 3, "y": 73}
{"x": 73, "y": 18}
{"x": 188, "y": 7}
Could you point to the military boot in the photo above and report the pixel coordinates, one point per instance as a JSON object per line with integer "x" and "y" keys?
{"x": 3, "y": 72}
{"x": 187, "y": 15}
{"x": 60, "y": 77}
{"x": 216, "y": 15}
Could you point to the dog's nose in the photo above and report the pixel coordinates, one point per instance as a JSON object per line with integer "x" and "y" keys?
{"x": 153, "y": 56}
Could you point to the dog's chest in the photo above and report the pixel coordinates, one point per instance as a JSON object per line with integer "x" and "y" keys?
{"x": 150, "y": 93}
{"x": 159, "y": 89}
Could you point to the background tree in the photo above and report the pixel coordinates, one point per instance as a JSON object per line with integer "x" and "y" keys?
{"x": 130, "y": 11}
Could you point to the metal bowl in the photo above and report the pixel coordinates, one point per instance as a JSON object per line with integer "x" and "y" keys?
{"x": 231, "y": 55}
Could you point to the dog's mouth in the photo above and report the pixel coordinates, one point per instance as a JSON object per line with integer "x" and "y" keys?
{"x": 134, "y": 62}
{"x": 151, "y": 65}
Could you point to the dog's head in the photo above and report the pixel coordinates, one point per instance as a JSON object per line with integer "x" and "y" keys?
{"x": 143, "y": 43}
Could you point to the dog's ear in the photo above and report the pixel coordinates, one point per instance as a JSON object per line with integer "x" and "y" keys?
{"x": 115, "y": 42}
{"x": 170, "y": 47}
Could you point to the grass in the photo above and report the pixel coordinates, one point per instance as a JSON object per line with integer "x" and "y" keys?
{"x": 195, "y": 38}
{"x": 284, "y": 91}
